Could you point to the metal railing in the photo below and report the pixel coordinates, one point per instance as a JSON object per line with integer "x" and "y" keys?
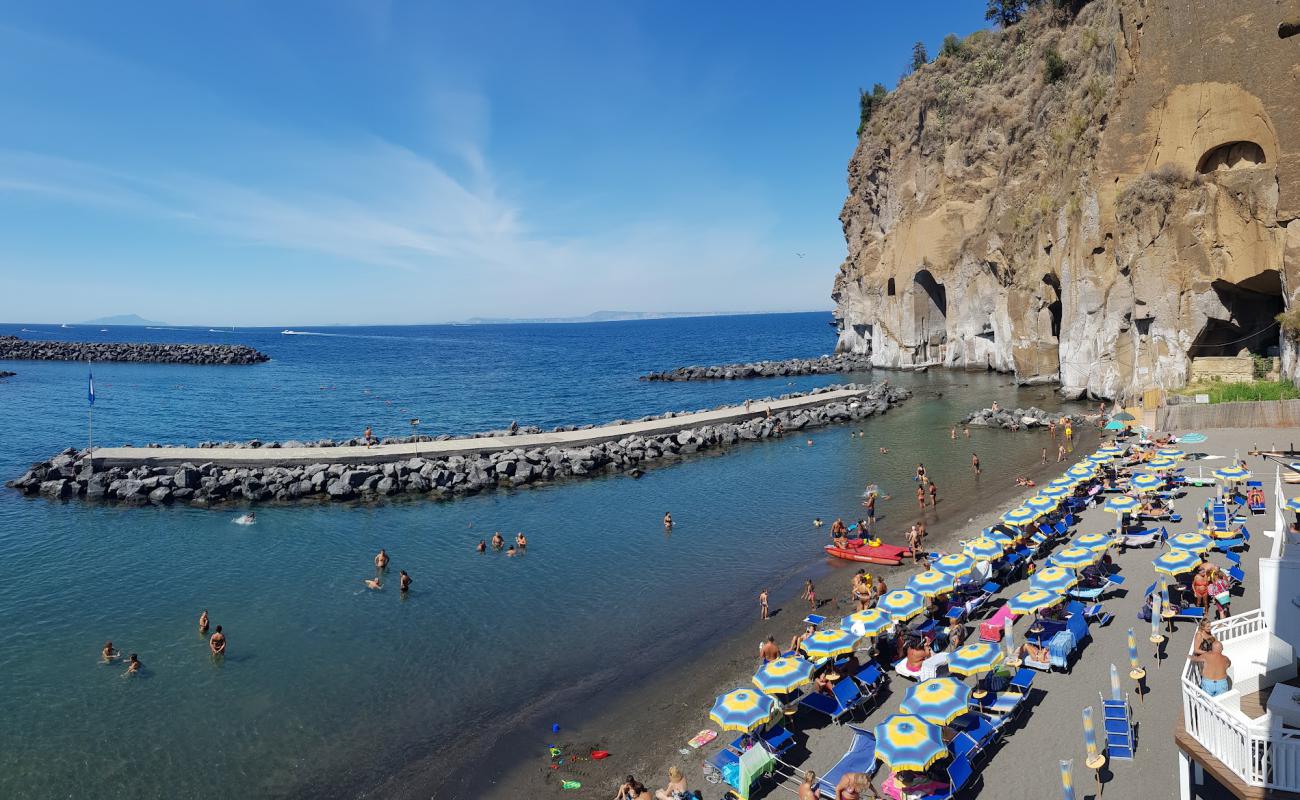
{"x": 1258, "y": 756}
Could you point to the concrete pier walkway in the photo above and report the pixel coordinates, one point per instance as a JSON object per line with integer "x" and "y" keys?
{"x": 377, "y": 454}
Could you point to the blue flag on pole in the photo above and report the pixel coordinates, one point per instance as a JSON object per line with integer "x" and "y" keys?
{"x": 91, "y": 387}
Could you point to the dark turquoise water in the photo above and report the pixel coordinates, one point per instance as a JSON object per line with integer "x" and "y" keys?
{"x": 329, "y": 688}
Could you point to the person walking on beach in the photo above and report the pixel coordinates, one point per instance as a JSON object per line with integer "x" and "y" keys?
{"x": 1044, "y": 461}
{"x": 668, "y": 521}
{"x": 920, "y": 497}
{"x": 203, "y": 622}
{"x": 934, "y": 495}
{"x": 975, "y": 463}
{"x": 381, "y": 560}
{"x": 810, "y": 594}
{"x": 217, "y": 643}
{"x": 1060, "y": 453}
{"x": 1069, "y": 432}
{"x": 368, "y": 436}
{"x": 762, "y": 604}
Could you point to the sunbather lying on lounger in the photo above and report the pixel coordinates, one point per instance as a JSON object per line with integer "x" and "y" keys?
{"x": 1039, "y": 654}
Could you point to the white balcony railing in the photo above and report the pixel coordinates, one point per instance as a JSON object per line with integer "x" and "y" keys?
{"x": 1258, "y": 755}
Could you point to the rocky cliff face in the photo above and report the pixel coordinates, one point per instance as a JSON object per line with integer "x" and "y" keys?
{"x": 1100, "y": 228}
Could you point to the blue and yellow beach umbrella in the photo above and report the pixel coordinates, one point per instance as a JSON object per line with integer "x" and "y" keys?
{"x": 930, "y": 583}
{"x": 1232, "y": 474}
{"x": 1191, "y": 542}
{"x": 1041, "y": 503}
{"x": 1099, "y": 458}
{"x": 1021, "y": 516}
{"x": 783, "y": 675}
{"x": 1058, "y": 492}
{"x": 955, "y": 564}
{"x": 1092, "y": 541}
{"x": 742, "y": 710}
{"x": 1031, "y": 600}
{"x": 1145, "y": 482}
{"x": 868, "y": 622}
{"x": 1075, "y": 557}
{"x": 974, "y": 658}
{"x": 1293, "y": 505}
{"x": 1081, "y": 472}
{"x": 1063, "y": 482}
{"x": 901, "y": 604}
{"x": 1160, "y": 463}
{"x": 1176, "y": 562}
{"x": 1170, "y": 453}
{"x": 1001, "y": 537}
{"x": 1054, "y": 579}
{"x": 829, "y": 642}
{"x": 984, "y": 549}
{"x": 938, "y": 700}
{"x": 1121, "y": 504}
{"x": 1111, "y": 450}
{"x": 907, "y": 742}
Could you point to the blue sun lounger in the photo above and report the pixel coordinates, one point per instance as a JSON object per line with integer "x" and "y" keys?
{"x": 861, "y": 757}
{"x": 960, "y": 773}
{"x": 846, "y": 698}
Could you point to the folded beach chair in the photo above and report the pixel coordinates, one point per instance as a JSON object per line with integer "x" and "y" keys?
{"x": 991, "y": 628}
{"x": 861, "y": 757}
{"x": 846, "y": 698}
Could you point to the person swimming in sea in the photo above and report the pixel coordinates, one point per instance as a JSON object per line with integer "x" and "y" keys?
{"x": 110, "y": 655}
{"x": 246, "y": 519}
{"x": 203, "y": 621}
{"x": 374, "y": 583}
{"x": 217, "y": 642}
{"x": 482, "y": 546}
{"x": 668, "y": 521}
{"x": 510, "y": 551}
{"x": 133, "y": 666}
{"x": 521, "y": 541}
{"x": 403, "y": 581}
{"x": 498, "y": 541}
{"x": 381, "y": 559}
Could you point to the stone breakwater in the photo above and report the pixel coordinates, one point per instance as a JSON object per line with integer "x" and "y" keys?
{"x": 70, "y": 474}
{"x": 825, "y": 365}
{"x": 6, "y": 374}
{"x": 1016, "y": 419}
{"x": 14, "y": 349}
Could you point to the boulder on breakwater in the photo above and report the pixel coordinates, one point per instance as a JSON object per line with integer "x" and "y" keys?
{"x": 825, "y": 365}
{"x": 14, "y": 349}
{"x": 6, "y": 374}
{"x": 1016, "y": 419}
{"x": 70, "y": 474}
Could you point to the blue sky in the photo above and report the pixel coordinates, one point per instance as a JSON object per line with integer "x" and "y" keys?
{"x": 248, "y": 163}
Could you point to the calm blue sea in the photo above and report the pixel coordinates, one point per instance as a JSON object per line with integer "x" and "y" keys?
{"x": 328, "y": 688}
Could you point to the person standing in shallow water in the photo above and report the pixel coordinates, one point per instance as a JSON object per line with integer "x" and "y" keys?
{"x": 217, "y": 643}
{"x": 498, "y": 541}
{"x": 762, "y": 603}
{"x": 203, "y": 621}
{"x": 975, "y": 462}
{"x": 381, "y": 559}
{"x": 668, "y": 521}
{"x": 403, "y": 581}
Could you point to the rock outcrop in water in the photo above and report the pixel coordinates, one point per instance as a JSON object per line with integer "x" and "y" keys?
{"x": 1096, "y": 198}
{"x": 1017, "y": 419}
{"x": 14, "y": 349}
{"x": 7, "y": 374}
{"x": 825, "y": 365}
{"x": 69, "y": 474}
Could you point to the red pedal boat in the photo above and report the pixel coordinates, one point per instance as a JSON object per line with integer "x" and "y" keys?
{"x": 856, "y": 550}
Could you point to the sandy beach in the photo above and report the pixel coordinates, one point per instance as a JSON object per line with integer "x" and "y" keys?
{"x": 645, "y": 725}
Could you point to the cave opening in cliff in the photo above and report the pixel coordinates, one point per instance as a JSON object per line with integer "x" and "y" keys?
{"x": 1231, "y": 155}
{"x": 929, "y": 315}
{"x": 1252, "y": 306}
{"x": 889, "y": 288}
{"x": 1054, "y": 307}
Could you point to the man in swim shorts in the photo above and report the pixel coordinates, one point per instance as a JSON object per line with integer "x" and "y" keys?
{"x": 381, "y": 559}
{"x": 1214, "y": 669}
{"x": 403, "y": 581}
{"x": 768, "y": 651}
{"x": 217, "y": 642}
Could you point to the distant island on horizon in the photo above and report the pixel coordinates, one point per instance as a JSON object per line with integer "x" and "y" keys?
{"x": 121, "y": 319}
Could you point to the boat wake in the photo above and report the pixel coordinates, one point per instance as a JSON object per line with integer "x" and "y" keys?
{"x": 287, "y": 332}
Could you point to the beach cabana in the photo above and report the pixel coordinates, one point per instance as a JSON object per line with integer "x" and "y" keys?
{"x": 783, "y": 675}
{"x": 742, "y": 710}
{"x": 901, "y": 604}
{"x": 938, "y": 700}
{"x": 907, "y": 742}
